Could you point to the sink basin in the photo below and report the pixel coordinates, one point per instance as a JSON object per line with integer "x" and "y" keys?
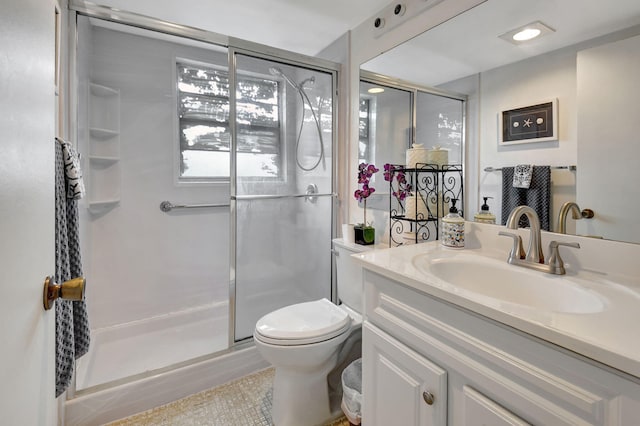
{"x": 501, "y": 282}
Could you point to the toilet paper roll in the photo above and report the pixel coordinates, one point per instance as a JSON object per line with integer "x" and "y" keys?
{"x": 415, "y": 205}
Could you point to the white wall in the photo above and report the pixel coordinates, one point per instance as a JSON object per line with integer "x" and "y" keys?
{"x": 608, "y": 111}
{"x": 524, "y": 83}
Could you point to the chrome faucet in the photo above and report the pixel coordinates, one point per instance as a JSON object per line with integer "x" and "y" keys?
{"x": 534, "y": 252}
{"x": 533, "y": 258}
{"x": 576, "y": 214}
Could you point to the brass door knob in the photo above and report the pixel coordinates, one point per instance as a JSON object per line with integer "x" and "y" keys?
{"x": 68, "y": 290}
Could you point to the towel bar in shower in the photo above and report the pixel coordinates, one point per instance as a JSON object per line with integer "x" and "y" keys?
{"x": 167, "y": 206}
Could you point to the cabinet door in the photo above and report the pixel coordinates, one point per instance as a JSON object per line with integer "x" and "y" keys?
{"x": 480, "y": 410}
{"x": 400, "y": 386}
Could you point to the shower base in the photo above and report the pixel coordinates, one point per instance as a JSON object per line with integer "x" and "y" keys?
{"x": 128, "y": 349}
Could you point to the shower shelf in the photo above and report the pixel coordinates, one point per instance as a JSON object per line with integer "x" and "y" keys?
{"x": 103, "y": 160}
{"x": 104, "y": 91}
{"x": 102, "y": 134}
{"x": 101, "y": 206}
{"x": 103, "y": 168}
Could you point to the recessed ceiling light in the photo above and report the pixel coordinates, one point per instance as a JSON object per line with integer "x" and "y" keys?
{"x": 527, "y": 32}
{"x": 376, "y": 90}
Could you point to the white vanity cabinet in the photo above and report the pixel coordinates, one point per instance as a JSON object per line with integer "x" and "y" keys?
{"x": 400, "y": 383}
{"x": 478, "y": 371}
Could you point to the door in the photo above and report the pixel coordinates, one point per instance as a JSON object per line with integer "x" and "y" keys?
{"x": 27, "y": 120}
{"x": 401, "y": 386}
{"x": 282, "y": 187}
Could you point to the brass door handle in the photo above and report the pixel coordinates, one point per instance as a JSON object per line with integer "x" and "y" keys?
{"x": 68, "y": 290}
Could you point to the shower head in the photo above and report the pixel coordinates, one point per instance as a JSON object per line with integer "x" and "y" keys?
{"x": 277, "y": 72}
{"x": 311, "y": 80}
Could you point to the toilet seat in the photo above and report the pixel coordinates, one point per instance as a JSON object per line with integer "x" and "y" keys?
{"x": 303, "y": 324}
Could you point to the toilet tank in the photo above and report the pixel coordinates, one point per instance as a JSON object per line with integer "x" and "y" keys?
{"x": 349, "y": 273}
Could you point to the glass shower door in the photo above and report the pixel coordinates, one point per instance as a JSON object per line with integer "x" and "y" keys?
{"x": 282, "y": 185}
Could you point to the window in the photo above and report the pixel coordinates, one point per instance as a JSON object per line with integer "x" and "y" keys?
{"x": 363, "y": 130}
{"x": 203, "y": 115}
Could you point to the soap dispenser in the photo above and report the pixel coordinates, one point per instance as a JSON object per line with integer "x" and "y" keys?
{"x": 485, "y": 215}
{"x": 453, "y": 228}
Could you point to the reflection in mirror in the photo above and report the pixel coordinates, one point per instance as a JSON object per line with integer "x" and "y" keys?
{"x": 385, "y": 123}
{"x": 589, "y": 63}
{"x": 388, "y": 109}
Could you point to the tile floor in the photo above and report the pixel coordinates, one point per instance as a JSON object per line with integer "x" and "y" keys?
{"x": 244, "y": 402}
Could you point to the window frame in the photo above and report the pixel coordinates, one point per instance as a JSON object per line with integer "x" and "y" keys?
{"x": 180, "y": 180}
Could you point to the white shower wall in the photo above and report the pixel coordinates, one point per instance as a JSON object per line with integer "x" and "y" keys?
{"x": 142, "y": 260}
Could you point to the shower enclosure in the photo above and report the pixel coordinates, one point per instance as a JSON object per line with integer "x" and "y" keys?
{"x": 282, "y": 206}
{"x": 210, "y": 173}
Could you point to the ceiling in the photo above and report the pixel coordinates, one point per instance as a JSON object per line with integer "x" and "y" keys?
{"x": 302, "y": 26}
{"x": 465, "y": 45}
{"x": 469, "y": 43}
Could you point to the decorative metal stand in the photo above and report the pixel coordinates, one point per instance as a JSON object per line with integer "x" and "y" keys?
{"x": 432, "y": 185}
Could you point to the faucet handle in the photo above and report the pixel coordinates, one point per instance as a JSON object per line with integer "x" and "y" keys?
{"x": 555, "y": 261}
{"x": 517, "y": 252}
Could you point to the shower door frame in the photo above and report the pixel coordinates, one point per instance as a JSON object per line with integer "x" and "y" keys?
{"x": 241, "y": 47}
{"x": 233, "y": 45}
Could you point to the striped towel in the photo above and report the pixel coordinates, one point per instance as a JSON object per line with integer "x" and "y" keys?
{"x": 72, "y": 170}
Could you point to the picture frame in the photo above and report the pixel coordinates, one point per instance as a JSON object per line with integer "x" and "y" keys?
{"x": 537, "y": 122}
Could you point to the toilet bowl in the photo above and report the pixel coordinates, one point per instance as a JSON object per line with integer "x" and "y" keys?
{"x": 305, "y": 342}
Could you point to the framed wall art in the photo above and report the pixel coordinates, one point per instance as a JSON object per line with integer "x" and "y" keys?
{"x": 533, "y": 123}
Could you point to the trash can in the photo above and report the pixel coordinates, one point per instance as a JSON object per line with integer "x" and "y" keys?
{"x": 352, "y": 391}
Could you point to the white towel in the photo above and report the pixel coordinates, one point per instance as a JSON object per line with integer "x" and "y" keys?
{"x": 72, "y": 170}
{"x": 522, "y": 176}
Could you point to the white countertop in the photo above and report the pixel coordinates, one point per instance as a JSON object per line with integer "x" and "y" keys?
{"x": 610, "y": 336}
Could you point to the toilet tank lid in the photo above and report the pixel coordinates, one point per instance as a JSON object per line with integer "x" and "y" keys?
{"x": 304, "y": 320}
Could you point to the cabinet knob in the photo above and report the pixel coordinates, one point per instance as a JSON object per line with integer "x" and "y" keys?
{"x": 428, "y": 397}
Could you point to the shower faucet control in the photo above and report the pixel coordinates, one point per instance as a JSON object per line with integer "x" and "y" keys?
{"x": 312, "y": 188}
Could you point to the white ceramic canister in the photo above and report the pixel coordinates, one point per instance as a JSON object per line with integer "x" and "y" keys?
{"x": 417, "y": 154}
{"x": 452, "y": 228}
{"x": 438, "y": 156}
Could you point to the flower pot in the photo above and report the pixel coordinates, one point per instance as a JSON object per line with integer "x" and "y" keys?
{"x": 364, "y": 235}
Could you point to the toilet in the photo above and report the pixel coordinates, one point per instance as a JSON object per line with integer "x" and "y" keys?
{"x": 307, "y": 342}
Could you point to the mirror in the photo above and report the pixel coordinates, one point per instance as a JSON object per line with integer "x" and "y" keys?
{"x": 588, "y": 61}
{"x": 393, "y": 114}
